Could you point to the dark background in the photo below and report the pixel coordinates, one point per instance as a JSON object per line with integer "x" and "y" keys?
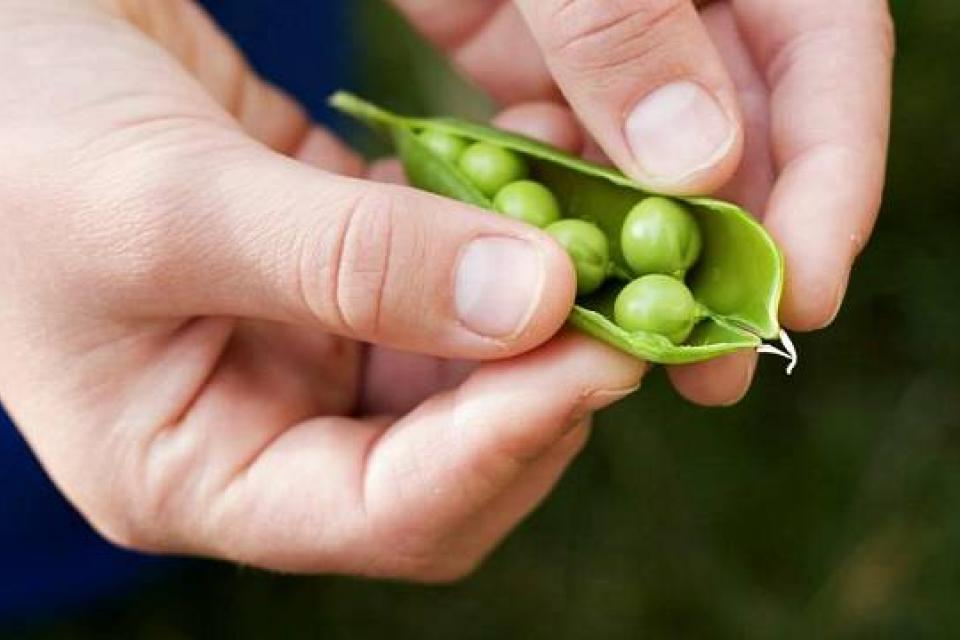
{"x": 825, "y": 505}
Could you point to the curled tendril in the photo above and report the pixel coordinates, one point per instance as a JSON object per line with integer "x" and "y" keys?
{"x": 789, "y": 351}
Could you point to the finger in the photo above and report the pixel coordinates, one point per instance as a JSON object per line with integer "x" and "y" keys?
{"x": 340, "y": 495}
{"x": 424, "y": 375}
{"x": 388, "y": 170}
{"x": 544, "y": 121}
{"x": 262, "y": 236}
{"x": 184, "y": 29}
{"x": 750, "y": 186}
{"x": 461, "y": 451}
{"x": 264, "y": 111}
{"x": 489, "y": 41}
{"x": 725, "y": 381}
{"x": 321, "y": 149}
{"x": 647, "y": 82}
{"x": 466, "y": 546}
{"x": 829, "y": 66}
{"x": 715, "y": 383}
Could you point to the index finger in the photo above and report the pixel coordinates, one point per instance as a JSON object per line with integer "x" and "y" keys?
{"x": 828, "y": 65}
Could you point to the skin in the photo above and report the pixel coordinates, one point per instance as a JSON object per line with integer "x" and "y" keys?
{"x": 808, "y": 83}
{"x": 184, "y": 352}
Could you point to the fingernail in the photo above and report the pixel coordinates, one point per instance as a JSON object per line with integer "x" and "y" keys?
{"x": 498, "y": 282}
{"x": 595, "y": 400}
{"x": 603, "y": 398}
{"x": 677, "y": 130}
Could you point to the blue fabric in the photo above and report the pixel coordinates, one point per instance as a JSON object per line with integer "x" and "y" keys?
{"x": 303, "y": 46}
{"x": 50, "y": 560}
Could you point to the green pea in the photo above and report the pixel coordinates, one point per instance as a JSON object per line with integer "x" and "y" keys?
{"x": 447, "y": 146}
{"x": 490, "y": 168}
{"x": 588, "y": 248}
{"x": 657, "y": 304}
{"x": 528, "y": 201}
{"x": 660, "y": 236}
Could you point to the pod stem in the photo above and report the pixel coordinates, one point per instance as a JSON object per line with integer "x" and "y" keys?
{"x": 359, "y": 108}
{"x": 789, "y": 351}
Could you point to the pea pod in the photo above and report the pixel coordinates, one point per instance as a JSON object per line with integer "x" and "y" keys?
{"x": 738, "y": 279}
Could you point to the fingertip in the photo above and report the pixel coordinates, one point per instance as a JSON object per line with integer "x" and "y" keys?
{"x": 322, "y": 149}
{"x": 812, "y": 301}
{"x": 611, "y": 369}
{"x": 721, "y": 382}
{"x": 550, "y": 307}
{"x": 388, "y": 171}
{"x": 818, "y": 251}
{"x": 548, "y": 122}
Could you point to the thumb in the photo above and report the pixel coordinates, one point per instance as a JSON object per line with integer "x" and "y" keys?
{"x": 648, "y": 83}
{"x": 278, "y": 239}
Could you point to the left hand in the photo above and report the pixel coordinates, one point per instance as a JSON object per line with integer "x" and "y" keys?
{"x": 199, "y": 334}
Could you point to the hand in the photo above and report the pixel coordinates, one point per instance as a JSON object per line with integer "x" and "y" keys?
{"x": 175, "y": 289}
{"x": 797, "y": 89}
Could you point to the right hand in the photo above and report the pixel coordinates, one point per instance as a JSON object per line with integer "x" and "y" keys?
{"x": 799, "y": 90}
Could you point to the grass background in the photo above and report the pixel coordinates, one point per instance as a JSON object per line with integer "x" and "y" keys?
{"x": 825, "y": 505}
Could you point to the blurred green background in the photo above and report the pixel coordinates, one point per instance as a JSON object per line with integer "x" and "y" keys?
{"x": 825, "y": 505}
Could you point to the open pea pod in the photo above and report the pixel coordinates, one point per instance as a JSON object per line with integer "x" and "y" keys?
{"x": 738, "y": 278}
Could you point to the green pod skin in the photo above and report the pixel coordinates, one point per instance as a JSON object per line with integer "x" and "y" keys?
{"x": 737, "y": 282}
{"x": 448, "y": 147}
{"x": 589, "y": 250}
{"x": 528, "y": 201}
{"x": 657, "y": 304}
{"x": 660, "y": 235}
{"x": 490, "y": 167}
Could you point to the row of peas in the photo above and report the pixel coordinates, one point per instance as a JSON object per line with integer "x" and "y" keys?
{"x": 660, "y": 239}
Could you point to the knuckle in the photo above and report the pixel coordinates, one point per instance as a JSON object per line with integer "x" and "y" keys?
{"x": 592, "y": 36}
{"x": 145, "y": 501}
{"x": 424, "y": 553}
{"x": 354, "y": 258}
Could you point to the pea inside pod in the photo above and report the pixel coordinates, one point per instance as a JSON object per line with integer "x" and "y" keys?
{"x": 660, "y": 235}
{"x": 588, "y": 248}
{"x": 731, "y": 269}
{"x": 657, "y": 304}
{"x": 528, "y": 201}
{"x": 448, "y": 147}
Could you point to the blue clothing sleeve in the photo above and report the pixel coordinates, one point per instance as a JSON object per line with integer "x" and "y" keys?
{"x": 49, "y": 557}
